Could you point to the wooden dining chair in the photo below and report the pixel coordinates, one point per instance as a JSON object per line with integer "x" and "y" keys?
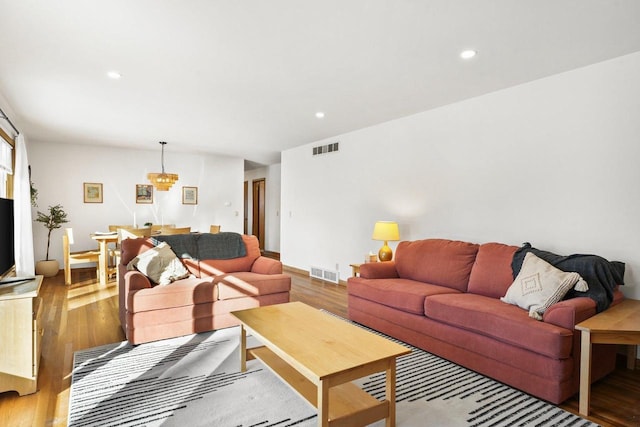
{"x": 214, "y": 229}
{"x": 81, "y": 257}
{"x": 175, "y": 230}
{"x": 125, "y": 233}
{"x": 114, "y": 228}
{"x": 155, "y": 228}
{"x": 112, "y": 257}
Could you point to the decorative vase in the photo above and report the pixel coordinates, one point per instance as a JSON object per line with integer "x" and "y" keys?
{"x": 47, "y": 268}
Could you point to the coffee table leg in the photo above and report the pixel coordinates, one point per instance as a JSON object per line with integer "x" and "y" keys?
{"x": 585, "y": 372}
{"x": 323, "y": 404}
{"x": 390, "y": 392}
{"x": 243, "y": 349}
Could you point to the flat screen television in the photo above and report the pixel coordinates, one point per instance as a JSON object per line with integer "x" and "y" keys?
{"x": 7, "y": 252}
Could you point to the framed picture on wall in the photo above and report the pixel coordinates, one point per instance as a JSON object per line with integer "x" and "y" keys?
{"x": 189, "y": 195}
{"x": 144, "y": 193}
{"x": 92, "y": 192}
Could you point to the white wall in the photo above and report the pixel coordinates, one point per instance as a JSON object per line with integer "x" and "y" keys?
{"x": 553, "y": 162}
{"x": 59, "y": 171}
{"x": 271, "y": 175}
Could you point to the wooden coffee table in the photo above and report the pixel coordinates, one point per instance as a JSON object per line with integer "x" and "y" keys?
{"x": 619, "y": 324}
{"x": 319, "y": 355}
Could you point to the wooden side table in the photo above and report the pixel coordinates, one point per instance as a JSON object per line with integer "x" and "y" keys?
{"x": 355, "y": 270}
{"x": 619, "y": 324}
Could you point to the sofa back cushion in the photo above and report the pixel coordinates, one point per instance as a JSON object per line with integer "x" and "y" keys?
{"x": 436, "y": 261}
{"x": 491, "y": 274}
{"x": 131, "y": 248}
{"x": 214, "y": 267}
{"x": 200, "y": 268}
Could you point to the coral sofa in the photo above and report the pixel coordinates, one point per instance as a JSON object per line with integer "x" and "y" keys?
{"x": 227, "y": 273}
{"x": 444, "y": 296}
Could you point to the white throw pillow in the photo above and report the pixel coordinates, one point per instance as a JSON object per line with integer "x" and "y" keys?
{"x": 160, "y": 264}
{"x": 539, "y": 285}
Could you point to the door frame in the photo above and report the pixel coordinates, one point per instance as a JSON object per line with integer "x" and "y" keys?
{"x": 259, "y": 190}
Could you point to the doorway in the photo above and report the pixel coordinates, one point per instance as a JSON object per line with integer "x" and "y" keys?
{"x": 258, "y": 211}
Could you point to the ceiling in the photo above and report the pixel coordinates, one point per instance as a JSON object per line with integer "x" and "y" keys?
{"x": 246, "y": 78}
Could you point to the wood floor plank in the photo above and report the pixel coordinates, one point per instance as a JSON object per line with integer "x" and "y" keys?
{"x": 85, "y": 315}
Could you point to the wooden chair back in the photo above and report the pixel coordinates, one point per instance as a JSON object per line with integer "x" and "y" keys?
{"x": 113, "y": 228}
{"x": 157, "y": 227}
{"x": 175, "y": 230}
{"x": 132, "y": 233}
{"x": 214, "y": 229}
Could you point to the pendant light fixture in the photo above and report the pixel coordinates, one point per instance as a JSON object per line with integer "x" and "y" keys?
{"x": 162, "y": 181}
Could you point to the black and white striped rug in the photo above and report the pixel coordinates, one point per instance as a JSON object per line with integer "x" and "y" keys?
{"x": 195, "y": 381}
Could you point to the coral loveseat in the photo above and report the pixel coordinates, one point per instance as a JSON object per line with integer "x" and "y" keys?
{"x": 220, "y": 282}
{"x": 444, "y": 296}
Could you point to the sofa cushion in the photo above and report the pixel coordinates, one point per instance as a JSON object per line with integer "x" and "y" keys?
{"x": 220, "y": 246}
{"x": 402, "y": 294}
{"x": 436, "y": 261}
{"x": 504, "y": 322}
{"x": 539, "y": 285}
{"x": 245, "y": 283}
{"x": 182, "y": 292}
{"x": 184, "y": 245}
{"x": 491, "y": 274}
{"x": 130, "y": 248}
{"x": 159, "y": 264}
{"x": 215, "y": 267}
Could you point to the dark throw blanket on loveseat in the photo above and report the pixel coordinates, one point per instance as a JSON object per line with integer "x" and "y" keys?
{"x": 601, "y": 275}
{"x": 199, "y": 246}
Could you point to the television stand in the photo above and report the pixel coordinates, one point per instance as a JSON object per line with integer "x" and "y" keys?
{"x": 16, "y": 280}
{"x": 20, "y": 335}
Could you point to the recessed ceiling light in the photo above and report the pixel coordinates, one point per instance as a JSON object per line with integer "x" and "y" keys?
{"x": 468, "y": 54}
{"x": 114, "y": 75}
{"x": 320, "y": 115}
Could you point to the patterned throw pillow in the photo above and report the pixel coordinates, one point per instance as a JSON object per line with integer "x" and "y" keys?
{"x": 160, "y": 264}
{"x": 539, "y": 285}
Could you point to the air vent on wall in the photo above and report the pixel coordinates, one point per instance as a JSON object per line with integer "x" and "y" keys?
{"x": 325, "y": 274}
{"x": 324, "y": 149}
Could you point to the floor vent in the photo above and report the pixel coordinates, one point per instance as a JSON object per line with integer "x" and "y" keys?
{"x": 324, "y": 274}
{"x": 324, "y": 149}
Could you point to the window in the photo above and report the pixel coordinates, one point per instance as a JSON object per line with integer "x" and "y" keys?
{"x": 6, "y": 167}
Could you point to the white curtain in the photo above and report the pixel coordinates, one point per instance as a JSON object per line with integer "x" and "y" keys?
{"x": 25, "y": 263}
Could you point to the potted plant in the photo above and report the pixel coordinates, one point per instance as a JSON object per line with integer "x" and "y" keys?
{"x": 53, "y": 219}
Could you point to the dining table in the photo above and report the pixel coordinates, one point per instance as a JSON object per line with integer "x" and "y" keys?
{"x": 103, "y": 240}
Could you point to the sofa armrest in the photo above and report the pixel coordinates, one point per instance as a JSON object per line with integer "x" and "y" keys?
{"x": 379, "y": 270}
{"x": 264, "y": 265}
{"x": 568, "y": 313}
{"x": 134, "y": 281}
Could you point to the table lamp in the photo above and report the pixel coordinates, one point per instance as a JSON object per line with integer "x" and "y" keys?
{"x": 386, "y": 231}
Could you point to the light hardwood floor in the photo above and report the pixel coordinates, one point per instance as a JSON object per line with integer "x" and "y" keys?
{"x": 85, "y": 315}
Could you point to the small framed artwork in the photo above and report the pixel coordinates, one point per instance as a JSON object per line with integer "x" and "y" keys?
{"x": 189, "y": 195}
{"x": 144, "y": 193}
{"x": 92, "y": 192}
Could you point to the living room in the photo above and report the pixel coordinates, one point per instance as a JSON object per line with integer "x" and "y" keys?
{"x": 549, "y": 160}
